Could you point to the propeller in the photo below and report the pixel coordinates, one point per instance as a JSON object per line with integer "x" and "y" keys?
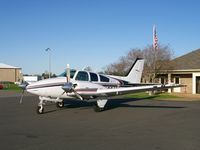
{"x": 23, "y": 86}
{"x": 69, "y": 87}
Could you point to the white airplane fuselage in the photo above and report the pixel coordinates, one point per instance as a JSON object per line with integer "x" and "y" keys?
{"x": 53, "y": 87}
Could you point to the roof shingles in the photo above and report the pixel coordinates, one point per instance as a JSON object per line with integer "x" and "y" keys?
{"x": 188, "y": 61}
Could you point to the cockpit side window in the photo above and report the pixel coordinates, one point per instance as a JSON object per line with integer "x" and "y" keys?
{"x": 104, "y": 79}
{"x": 72, "y": 72}
{"x": 82, "y": 76}
{"x": 93, "y": 77}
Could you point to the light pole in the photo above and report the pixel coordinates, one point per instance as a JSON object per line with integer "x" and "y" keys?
{"x": 49, "y": 51}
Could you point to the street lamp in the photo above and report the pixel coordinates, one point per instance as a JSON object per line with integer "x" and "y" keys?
{"x": 49, "y": 51}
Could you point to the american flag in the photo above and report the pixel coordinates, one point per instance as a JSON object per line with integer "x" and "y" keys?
{"x": 155, "y": 39}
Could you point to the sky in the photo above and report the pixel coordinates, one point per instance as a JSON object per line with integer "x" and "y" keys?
{"x": 91, "y": 33}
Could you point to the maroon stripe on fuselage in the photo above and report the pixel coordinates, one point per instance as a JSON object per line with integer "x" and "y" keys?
{"x": 46, "y": 85}
{"x": 86, "y": 90}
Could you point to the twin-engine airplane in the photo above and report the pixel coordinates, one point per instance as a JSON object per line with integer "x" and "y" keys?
{"x": 85, "y": 86}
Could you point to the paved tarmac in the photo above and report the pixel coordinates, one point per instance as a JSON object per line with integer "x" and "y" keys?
{"x": 127, "y": 124}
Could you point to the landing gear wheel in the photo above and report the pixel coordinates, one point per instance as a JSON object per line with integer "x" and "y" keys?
{"x": 60, "y": 104}
{"x": 40, "y": 110}
{"x": 97, "y": 108}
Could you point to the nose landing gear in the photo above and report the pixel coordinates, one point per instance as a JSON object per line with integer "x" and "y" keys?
{"x": 40, "y": 110}
{"x": 40, "y": 107}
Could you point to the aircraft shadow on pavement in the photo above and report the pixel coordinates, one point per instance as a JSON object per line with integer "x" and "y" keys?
{"x": 111, "y": 104}
{"x": 116, "y": 103}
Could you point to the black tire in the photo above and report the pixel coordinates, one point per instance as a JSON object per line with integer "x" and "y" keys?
{"x": 97, "y": 108}
{"x": 39, "y": 110}
{"x": 60, "y": 104}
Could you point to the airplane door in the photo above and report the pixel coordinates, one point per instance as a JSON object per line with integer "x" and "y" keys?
{"x": 198, "y": 85}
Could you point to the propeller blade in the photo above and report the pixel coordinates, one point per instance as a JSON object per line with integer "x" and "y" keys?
{"x": 77, "y": 95}
{"x": 68, "y": 73}
{"x": 21, "y": 99}
{"x": 23, "y": 87}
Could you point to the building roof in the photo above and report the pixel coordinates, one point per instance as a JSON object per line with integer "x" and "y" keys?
{"x": 187, "y": 61}
{"x": 5, "y": 66}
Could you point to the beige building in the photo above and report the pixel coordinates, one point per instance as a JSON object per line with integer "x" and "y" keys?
{"x": 9, "y": 73}
{"x": 186, "y": 71}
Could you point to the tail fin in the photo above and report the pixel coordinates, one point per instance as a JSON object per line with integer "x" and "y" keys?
{"x": 134, "y": 75}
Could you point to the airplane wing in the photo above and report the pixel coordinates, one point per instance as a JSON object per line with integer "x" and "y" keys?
{"x": 89, "y": 93}
{"x": 126, "y": 90}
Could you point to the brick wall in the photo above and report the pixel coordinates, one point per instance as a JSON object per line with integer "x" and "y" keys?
{"x": 185, "y": 79}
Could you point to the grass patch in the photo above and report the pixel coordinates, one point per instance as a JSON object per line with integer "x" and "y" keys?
{"x": 10, "y": 87}
{"x": 145, "y": 95}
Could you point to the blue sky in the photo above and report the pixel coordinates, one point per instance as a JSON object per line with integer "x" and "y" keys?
{"x": 91, "y": 32}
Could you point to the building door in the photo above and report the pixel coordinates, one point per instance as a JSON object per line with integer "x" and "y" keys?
{"x": 198, "y": 85}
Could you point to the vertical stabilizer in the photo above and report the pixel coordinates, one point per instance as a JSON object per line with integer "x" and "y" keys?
{"x": 135, "y": 73}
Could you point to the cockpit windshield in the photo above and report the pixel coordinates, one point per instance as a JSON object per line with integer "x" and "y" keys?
{"x": 72, "y": 72}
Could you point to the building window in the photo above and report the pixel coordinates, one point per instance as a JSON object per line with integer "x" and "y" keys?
{"x": 177, "y": 80}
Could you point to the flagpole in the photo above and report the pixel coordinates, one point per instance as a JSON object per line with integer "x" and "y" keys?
{"x": 153, "y": 35}
{"x": 154, "y": 49}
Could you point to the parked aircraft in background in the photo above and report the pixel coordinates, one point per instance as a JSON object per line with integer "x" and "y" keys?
{"x": 86, "y": 86}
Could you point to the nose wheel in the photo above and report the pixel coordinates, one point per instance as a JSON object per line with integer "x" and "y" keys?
{"x": 100, "y": 104}
{"x": 40, "y": 109}
{"x": 97, "y": 108}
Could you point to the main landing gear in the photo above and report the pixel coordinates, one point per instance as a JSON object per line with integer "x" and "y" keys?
{"x": 100, "y": 104}
{"x": 60, "y": 104}
{"x": 40, "y": 107}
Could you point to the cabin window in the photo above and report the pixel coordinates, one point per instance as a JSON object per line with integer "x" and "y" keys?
{"x": 93, "y": 77}
{"x": 104, "y": 79}
{"x": 82, "y": 76}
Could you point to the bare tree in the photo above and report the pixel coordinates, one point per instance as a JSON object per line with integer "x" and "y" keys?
{"x": 155, "y": 61}
{"x": 124, "y": 63}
